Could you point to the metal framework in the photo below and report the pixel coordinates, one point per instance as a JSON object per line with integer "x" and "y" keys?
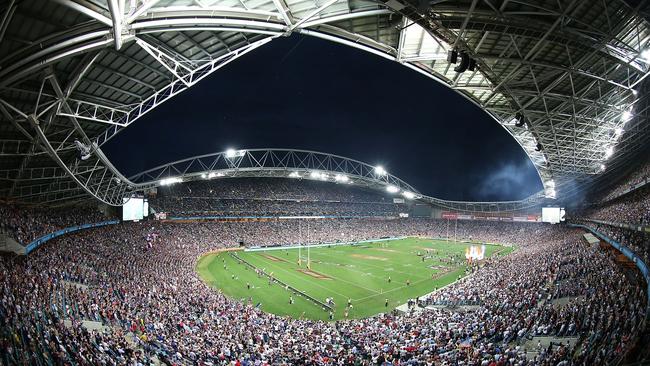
{"x": 287, "y": 163}
{"x": 304, "y": 164}
{"x": 572, "y": 71}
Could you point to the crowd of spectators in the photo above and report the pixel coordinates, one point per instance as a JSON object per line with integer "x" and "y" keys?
{"x": 24, "y": 224}
{"x": 138, "y": 280}
{"x": 594, "y": 289}
{"x": 271, "y": 197}
{"x": 637, "y": 241}
{"x": 636, "y": 177}
{"x": 633, "y": 209}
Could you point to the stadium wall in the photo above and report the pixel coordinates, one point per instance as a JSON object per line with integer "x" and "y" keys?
{"x": 640, "y": 264}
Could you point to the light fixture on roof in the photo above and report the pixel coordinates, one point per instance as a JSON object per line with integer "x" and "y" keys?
{"x": 379, "y": 170}
{"x": 294, "y": 175}
{"x": 408, "y": 195}
{"x": 634, "y": 92}
{"x": 549, "y": 189}
{"x": 609, "y": 152}
{"x": 318, "y": 175}
{"x": 170, "y": 181}
{"x": 212, "y": 175}
{"x": 602, "y": 167}
{"x": 550, "y": 193}
{"x": 645, "y": 55}
{"x": 232, "y": 153}
{"x": 626, "y": 115}
{"x": 519, "y": 120}
{"x": 392, "y": 189}
{"x": 341, "y": 178}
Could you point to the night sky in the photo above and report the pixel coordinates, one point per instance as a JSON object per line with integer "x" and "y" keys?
{"x": 306, "y": 93}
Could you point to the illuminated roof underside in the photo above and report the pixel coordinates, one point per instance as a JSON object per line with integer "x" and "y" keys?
{"x": 84, "y": 70}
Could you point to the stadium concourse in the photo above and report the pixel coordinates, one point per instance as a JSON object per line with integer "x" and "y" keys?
{"x": 128, "y": 294}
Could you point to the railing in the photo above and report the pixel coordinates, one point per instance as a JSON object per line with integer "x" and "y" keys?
{"x": 640, "y": 264}
{"x": 38, "y": 242}
{"x": 641, "y": 228}
{"x": 269, "y": 217}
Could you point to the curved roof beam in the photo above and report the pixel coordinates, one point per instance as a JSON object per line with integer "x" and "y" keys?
{"x": 304, "y": 164}
{"x": 571, "y": 70}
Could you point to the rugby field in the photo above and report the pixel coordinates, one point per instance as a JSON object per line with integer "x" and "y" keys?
{"x": 367, "y": 273}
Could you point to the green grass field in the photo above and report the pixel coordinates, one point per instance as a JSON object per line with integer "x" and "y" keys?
{"x": 358, "y": 272}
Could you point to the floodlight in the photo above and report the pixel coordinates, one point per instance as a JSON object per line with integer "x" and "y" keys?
{"x": 602, "y": 167}
{"x": 392, "y": 189}
{"x": 408, "y": 195}
{"x": 549, "y": 192}
{"x": 294, "y": 175}
{"x": 634, "y": 92}
{"x": 626, "y": 116}
{"x": 341, "y": 178}
{"x": 379, "y": 170}
{"x": 609, "y": 152}
{"x": 618, "y": 131}
{"x": 204, "y": 176}
{"x": 315, "y": 174}
{"x": 646, "y": 55}
{"x": 551, "y": 183}
{"x": 232, "y": 153}
{"x": 170, "y": 181}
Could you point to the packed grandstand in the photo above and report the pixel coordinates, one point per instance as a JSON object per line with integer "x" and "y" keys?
{"x": 128, "y": 293}
{"x": 254, "y": 256}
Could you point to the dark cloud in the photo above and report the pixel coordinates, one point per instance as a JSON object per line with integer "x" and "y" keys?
{"x": 507, "y": 179}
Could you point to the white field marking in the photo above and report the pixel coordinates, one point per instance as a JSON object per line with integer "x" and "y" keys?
{"x": 352, "y": 283}
{"x": 398, "y": 288}
{"x": 323, "y": 287}
{"x": 418, "y": 280}
{"x": 383, "y": 268}
{"x": 391, "y": 290}
{"x": 353, "y": 270}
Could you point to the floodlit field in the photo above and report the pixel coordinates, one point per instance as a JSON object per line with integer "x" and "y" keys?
{"x": 367, "y": 273}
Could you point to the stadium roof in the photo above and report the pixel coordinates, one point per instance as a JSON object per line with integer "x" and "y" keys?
{"x": 84, "y": 70}
{"x": 310, "y": 165}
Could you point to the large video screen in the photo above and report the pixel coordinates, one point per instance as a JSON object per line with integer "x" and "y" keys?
{"x": 133, "y": 209}
{"x": 553, "y": 215}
